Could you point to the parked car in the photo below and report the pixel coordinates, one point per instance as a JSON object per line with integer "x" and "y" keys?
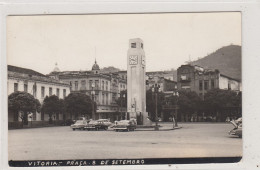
{"x": 105, "y": 121}
{"x": 80, "y": 124}
{"x": 237, "y": 131}
{"x": 125, "y": 125}
{"x": 96, "y": 125}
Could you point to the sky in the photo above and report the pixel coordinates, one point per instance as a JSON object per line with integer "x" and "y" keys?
{"x": 74, "y": 41}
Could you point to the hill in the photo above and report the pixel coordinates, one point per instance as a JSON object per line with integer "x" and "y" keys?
{"x": 109, "y": 69}
{"x": 226, "y": 59}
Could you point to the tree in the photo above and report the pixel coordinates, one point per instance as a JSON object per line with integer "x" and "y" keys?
{"x": 122, "y": 100}
{"x": 24, "y": 103}
{"x": 79, "y": 104}
{"x": 151, "y": 104}
{"x": 218, "y": 101}
{"x": 188, "y": 103}
{"x": 52, "y": 105}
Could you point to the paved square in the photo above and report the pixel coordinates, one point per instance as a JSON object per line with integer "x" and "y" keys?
{"x": 59, "y": 143}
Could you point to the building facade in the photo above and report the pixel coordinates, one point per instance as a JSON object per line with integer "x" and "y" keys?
{"x": 103, "y": 88}
{"x": 200, "y": 80}
{"x": 38, "y": 85}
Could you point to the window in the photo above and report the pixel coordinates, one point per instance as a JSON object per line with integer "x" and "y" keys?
{"x": 50, "y": 91}
{"x": 183, "y": 77}
{"x": 96, "y": 98}
{"x": 103, "y": 85}
{"x": 142, "y": 45}
{"x": 64, "y": 93}
{"x": 42, "y": 92}
{"x": 70, "y": 85}
{"x": 133, "y": 45}
{"x": 113, "y": 98}
{"x": 96, "y": 84}
{"x": 15, "y": 87}
{"x": 200, "y": 85}
{"x": 25, "y": 86}
{"x": 212, "y": 84}
{"x": 58, "y": 92}
{"x": 76, "y": 85}
{"x": 90, "y": 84}
{"x": 103, "y": 98}
{"x": 106, "y": 99}
{"x": 106, "y": 85}
{"x": 35, "y": 90}
{"x": 229, "y": 86}
{"x": 206, "y": 85}
{"x": 83, "y": 85}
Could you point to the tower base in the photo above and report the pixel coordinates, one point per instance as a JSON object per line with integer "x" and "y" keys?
{"x": 141, "y": 118}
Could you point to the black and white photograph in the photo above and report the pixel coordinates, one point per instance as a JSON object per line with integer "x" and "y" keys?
{"x": 124, "y": 89}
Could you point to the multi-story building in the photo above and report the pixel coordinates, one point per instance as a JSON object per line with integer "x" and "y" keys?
{"x": 166, "y": 85}
{"x": 200, "y": 80}
{"x": 105, "y": 86}
{"x": 169, "y": 75}
{"x": 38, "y": 85}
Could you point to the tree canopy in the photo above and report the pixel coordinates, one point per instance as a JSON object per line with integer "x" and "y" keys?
{"x": 52, "y": 105}
{"x": 122, "y": 100}
{"x": 217, "y": 100}
{"x": 151, "y": 104}
{"x": 79, "y": 104}
{"x": 23, "y": 102}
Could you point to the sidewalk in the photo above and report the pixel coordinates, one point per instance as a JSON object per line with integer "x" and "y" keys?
{"x": 162, "y": 127}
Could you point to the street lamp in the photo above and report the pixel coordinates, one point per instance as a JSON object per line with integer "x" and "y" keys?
{"x": 93, "y": 98}
{"x": 176, "y": 95}
{"x": 156, "y": 89}
{"x": 122, "y": 97}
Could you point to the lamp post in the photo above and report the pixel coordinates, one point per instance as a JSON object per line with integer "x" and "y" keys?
{"x": 155, "y": 90}
{"x": 122, "y": 97}
{"x": 176, "y": 95}
{"x": 93, "y": 98}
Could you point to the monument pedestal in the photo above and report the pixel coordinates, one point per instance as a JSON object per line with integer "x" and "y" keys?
{"x": 141, "y": 118}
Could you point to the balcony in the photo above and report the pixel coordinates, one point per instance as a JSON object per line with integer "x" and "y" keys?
{"x": 185, "y": 79}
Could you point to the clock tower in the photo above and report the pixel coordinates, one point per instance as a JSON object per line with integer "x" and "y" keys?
{"x": 136, "y": 88}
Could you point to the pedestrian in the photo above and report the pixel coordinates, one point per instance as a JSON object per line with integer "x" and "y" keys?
{"x": 173, "y": 121}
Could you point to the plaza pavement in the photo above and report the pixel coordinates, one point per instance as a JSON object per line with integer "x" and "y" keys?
{"x": 60, "y": 143}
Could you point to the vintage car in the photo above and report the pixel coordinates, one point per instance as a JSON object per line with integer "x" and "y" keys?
{"x": 105, "y": 121}
{"x": 96, "y": 125}
{"x": 125, "y": 125}
{"x": 237, "y": 131}
{"x": 79, "y": 124}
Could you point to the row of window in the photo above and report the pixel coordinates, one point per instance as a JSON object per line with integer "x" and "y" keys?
{"x": 206, "y": 84}
{"x": 51, "y": 92}
{"x": 104, "y": 85}
{"x": 104, "y": 99}
{"x": 42, "y": 90}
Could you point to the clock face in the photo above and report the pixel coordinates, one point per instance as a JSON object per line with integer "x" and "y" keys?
{"x": 133, "y": 59}
{"x": 143, "y": 60}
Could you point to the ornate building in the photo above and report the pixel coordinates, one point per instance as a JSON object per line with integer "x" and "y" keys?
{"x": 104, "y": 88}
{"x": 38, "y": 85}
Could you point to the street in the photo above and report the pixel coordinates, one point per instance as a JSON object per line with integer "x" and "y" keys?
{"x": 60, "y": 143}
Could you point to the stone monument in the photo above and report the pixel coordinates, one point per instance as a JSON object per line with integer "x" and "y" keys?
{"x": 136, "y": 88}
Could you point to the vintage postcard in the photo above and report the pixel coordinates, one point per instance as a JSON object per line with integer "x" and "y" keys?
{"x": 124, "y": 89}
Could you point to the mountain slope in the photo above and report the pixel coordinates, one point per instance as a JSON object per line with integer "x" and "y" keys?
{"x": 226, "y": 59}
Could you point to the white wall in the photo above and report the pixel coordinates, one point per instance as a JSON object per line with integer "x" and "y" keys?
{"x": 223, "y": 82}
{"x": 54, "y": 86}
